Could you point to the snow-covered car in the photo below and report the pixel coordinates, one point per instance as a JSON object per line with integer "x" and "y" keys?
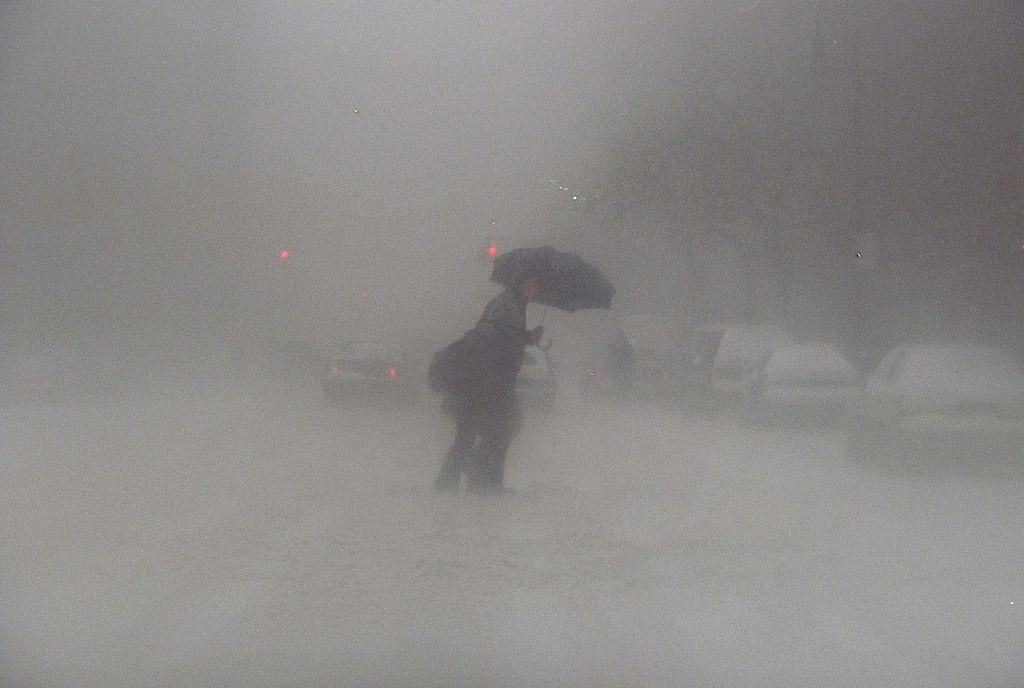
{"x": 656, "y": 344}
{"x": 742, "y": 351}
{"x": 536, "y": 384}
{"x": 41, "y": 376}
{"x": 811, "y": 382}
{"x": 370, "y": 371}
{"x": 608, "y": 371}
{"x": 417, "y": 352}
{"x": 956, "y": 401}
{"x": 659, "y": 374}
{"x": 689, "y": 367}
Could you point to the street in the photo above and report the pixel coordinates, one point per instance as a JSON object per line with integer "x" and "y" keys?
{"x": 216, "y": 534}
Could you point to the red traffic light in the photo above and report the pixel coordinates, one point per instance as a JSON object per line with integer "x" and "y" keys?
{"x": 284, "y": 254}
{"x": 491, "y": 248}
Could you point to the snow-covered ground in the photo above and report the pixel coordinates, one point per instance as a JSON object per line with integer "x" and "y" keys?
{"x": 214, "y": 535}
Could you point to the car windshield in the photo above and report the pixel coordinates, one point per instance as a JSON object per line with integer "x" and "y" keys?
{"x": 810, "y": 364}
{"x": 743, "y": 347}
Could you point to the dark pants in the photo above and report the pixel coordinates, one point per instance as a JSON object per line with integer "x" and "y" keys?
{"x": 484, "y": 430}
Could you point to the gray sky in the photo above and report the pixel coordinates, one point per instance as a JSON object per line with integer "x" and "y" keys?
{"x": 376, "y": 140}
{"x": 158, "y": 155}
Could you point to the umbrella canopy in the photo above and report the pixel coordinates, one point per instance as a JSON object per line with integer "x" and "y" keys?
{"x": 564, "y": 279}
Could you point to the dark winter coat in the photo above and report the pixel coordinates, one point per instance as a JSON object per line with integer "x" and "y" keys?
{"x": 506, "y": 314}
{"x": 482, "y": 366}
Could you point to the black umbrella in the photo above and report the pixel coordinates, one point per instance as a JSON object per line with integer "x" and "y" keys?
{"x": 564, "y": 280}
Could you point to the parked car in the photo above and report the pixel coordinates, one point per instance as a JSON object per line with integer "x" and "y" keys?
{"x": 690, "y": 366}
{"x": 652, "y": 373}
{"x": 965, "y": 402}
{"x": 813, "y": 382}
{"x": 609, "y": 371}
{"x": 371, "y": 371}
{"x": 417, "y": 352}
{"x": 742, "y": 351}
{"x": 655, "y": 341}
{"x": 537, "y": 385}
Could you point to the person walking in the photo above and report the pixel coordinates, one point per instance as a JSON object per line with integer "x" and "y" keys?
{"x": 485, "y": 408}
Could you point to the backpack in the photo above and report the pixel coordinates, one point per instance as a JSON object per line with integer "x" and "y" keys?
{"x": 467, "y": 364}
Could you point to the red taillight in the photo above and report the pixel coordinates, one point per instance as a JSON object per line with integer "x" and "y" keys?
{"x": 392, "y": 372}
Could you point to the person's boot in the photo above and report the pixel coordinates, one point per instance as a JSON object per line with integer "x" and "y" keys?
{"x": 446, "y": 485}
{"x": 447, "y": 481}
{"x": 486, "y": 478}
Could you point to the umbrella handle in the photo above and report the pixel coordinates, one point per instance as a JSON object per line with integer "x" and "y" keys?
{"x": 540, "y": 344}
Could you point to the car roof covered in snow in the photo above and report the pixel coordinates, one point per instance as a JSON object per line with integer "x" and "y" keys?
{"x": 747, "y": 344}
{"x": 959, "y": 370}
{"x": 810, "y": 362}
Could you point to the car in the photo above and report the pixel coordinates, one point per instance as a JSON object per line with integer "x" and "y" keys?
{"x": 536, "y": 385}
{"x": 679, "y": 372}
{"x": 46, "y": 375}
{"x": 692, "y": 370}
{"x": 659, "y": 374}
{"x": 803, "y": 383}
{"x": 964, "y": 402}
{"x": 371, "y": 371}
{"x": 742, "y": 351}
{"x": 655, "y": 341}
{"x": 608, "y": 370}
{"x": 416, "y": 352}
